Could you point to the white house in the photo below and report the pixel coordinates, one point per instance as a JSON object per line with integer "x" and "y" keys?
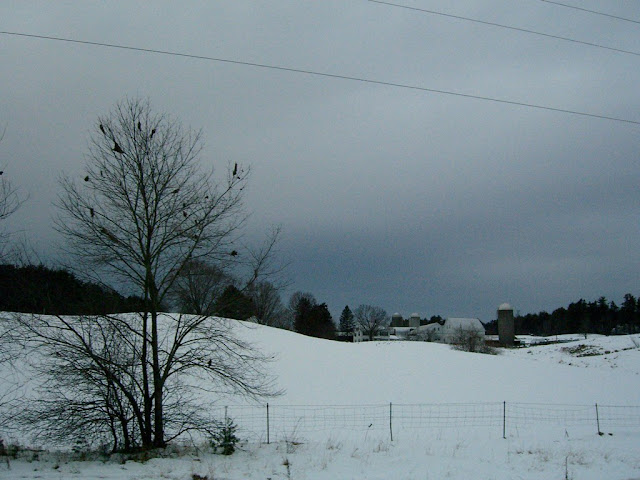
{"x": 450, "y": 330}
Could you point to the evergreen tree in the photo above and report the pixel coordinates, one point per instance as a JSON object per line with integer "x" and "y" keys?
{"x": 313, "y": 320}
{"x": 234, "y": 304}
{"x": 628, "y": 311}
{"x": 302, "y": 311}
{"x": 322, "y": 322}
{"x": 346, "y": 320}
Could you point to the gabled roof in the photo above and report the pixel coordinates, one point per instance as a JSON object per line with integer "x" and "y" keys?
{"x": 465, "y": 323}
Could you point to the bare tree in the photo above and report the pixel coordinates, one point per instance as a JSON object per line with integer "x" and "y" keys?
{"x": 12, "y": 378}
{"x": 142, "y": 213}
{"x": 8, "y": 387}
{"x": 469, "y": 340}
{"x": 198, "y": 287}
{"x": 10, "y": 200}
{"x": 88, "y": 378}
{"x": 267, "y": 305}
{"x": 370, "y": 319}
{"x": 93, "y": 386}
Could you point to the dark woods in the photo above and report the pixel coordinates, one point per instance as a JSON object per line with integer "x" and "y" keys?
{"x": 600, "y": 316}
{"x": 39, "y": 289}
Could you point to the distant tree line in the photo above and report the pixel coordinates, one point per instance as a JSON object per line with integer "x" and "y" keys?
{"x": 313, "y": 319}
{"x": 600, "y": 316}
{"x": 40, "y": 289}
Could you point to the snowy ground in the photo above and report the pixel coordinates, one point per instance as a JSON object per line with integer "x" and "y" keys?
{"x": 601, "y": 370}
{"x": 416, "y": 458}
{"x": 620, "y": 353}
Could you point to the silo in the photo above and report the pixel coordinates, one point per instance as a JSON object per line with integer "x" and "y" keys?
{"x": 506, "y": 325}
{"x": 414, "y": 320}
{"x": 396, "y": 320}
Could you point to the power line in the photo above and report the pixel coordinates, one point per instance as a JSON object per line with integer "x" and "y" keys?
{"x": 592, "y": 11}
{"x": 323, "y": 74}
{"x": 508, "y": 27}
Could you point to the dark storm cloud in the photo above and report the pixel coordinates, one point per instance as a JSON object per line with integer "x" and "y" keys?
{"x": 410, "y": 200}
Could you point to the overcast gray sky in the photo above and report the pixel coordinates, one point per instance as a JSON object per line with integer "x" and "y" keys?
{"x": 412, "y": 200}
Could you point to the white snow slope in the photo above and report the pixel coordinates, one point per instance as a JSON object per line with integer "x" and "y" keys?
{"x": 603, "y": 370}
{"x": 315, "y": 371}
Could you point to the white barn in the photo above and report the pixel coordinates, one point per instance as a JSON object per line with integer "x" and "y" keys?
{"x": 451, "y": 329}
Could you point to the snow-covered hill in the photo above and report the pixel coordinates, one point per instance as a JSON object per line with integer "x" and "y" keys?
{"x": 315, "y": 371}
{"x": 319, "y": 372}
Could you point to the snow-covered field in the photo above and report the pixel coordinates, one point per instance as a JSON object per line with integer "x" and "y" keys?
{"x": 603, "y": 370}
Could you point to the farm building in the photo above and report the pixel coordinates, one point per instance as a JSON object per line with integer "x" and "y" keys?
{"x": 450, "y": 330}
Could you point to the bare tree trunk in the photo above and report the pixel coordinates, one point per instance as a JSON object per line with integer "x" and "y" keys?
{"x": 158, "y": 441}
{"x": 146, "y": 423}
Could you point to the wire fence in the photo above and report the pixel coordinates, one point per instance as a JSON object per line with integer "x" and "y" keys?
{"x": 273, "y": 423}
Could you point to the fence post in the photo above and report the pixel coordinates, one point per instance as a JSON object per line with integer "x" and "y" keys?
{"x": 598, "y": 420}
{"x": 267, "y": 424}
{"x": 504, "y": 420}
{"x": 390, "y": 420}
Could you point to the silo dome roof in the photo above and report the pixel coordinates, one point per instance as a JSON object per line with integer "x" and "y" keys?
{"x": 505, "y": 306}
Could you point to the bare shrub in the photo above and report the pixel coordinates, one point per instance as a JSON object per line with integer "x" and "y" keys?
{"x": 468, "y": 340}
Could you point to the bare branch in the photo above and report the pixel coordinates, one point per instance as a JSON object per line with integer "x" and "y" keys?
{"x": 145, "y": 212}
{"x": 10, "y": 197}
{"x": 370, "y": 319}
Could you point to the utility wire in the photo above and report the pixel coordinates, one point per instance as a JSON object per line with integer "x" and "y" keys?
{"x": 508, "y": 27}
{"x": 591, "y": 11}
{"x": 322, "y": 74}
